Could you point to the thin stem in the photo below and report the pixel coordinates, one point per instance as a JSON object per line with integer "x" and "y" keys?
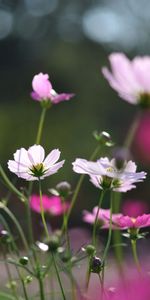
{"x": 132, "y": 130}
{"x": 10, "y": 185}
{"x": 78, "y": 186}
{"x": 135, "y": 256}
{"x": 15, "y": 221}
{"x": 9, "y": 274}
{"x": 29, "y": 221}
{"x": 42, "y": 210}
{"x": 109, "y": 233}
{"x": 42, "y": 294}
{"x": 96, "y": 218}
{"x": 58, "y": 277}
{"x": 108, "y": 242}
{"x": 117, "y": 235}
{"x": 40, "y": 127}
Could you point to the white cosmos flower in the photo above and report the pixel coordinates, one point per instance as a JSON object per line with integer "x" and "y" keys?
{"x": 31, "y": 164}
{"x": 105, "y": 175}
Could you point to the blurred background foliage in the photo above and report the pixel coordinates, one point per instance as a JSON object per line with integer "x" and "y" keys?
{"x": 70, "y": 40}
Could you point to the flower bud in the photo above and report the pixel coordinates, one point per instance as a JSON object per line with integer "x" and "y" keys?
{"x": 53, "y": 243}
{"x": 64, "y": 189}
{"x": 5, "y": 237}
{"x": 103, "y": 138}
{"x": 121, "y": 155}
{"x": 23, "y": 260}
{"x": 90, "y": 250}
{"x": 95, "y": 265}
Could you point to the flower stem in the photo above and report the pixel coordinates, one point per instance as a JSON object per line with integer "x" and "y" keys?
{"x": 40, "y": 127}
{"x": 10, "y": 185}
{"x": 42, "y": 211}
{"x": 78, "y": 186}
{"x": 135, "y": 256}
{"x": 127, "y": 144}
{"x": 15, "y": 221}
{"x": 58, "y": 277}
{"x": 96, "y": 218}
{"x": 108, "y": 242}
{"x": 132, "y": 130}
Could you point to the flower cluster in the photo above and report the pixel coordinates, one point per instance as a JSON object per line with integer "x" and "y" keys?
{"x": 105, "y": 175}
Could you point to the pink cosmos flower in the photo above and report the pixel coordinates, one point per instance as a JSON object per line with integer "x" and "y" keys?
{"x": 130, "y": 79}
{"x": 134, "y": 208}
{"x": 104, "y": 174}
{"x": 43, "y": 91}
{"x": 31, "y": 164}
{"x": 142, "y": 141}
{"x": 52, "y": 205}
{"x": 126, "y": 222}
{"x": 103, "y": 217}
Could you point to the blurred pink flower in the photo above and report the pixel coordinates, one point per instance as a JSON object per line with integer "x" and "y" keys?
{"x": 103, "y": 217}
{"x": 105, "y": 175}
{"x": 130, "y": 78}
{"x": 126, "y": 222}
{"x": 31, "y": 164}
{"x": 52, "y": 205}
{"x": 134, "y": 208}
{"x": 43, "y": 91}
{"x": 137, "y": 287}
{"x": 142, "y": 140}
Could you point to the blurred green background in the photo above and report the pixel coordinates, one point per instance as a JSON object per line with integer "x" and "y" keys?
{"x": 70, "y": 40}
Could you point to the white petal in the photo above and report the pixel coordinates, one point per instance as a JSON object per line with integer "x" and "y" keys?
{"x": 52, "y": 157}
{"x": 14, "y": 167}
{"x": 36, "y": 154}
{"x": 53, "y": 169}
{"x": 21, "y": 156}
{"x": 130, "y": 167}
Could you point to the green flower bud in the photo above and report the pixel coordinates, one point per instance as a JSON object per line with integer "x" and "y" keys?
{"x": 23, "y": 260}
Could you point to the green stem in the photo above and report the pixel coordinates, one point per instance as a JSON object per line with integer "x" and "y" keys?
{"x": 135, "y": 256}
{"x": 108, "y": 242}
{"x": 96, "y": 218}
{"x": 42, "y": 297}
{"x": 9, "y": 274}
{"x": 117, "y": 235}
{"x": 58, "y": 277}
{"x": 42, "y": 211}
{"x": 15, "y": 221}
{"x": 40, "y": 127}
{"x": 29, "y": 222}
{"x": 132, "y": 130}
{"x": 10, "y": 185}
{"x": 78, "y": 186}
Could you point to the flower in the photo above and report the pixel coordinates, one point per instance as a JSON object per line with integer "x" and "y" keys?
{"x": 31, "y": 164}
{"x": 126, "y": 222}
{"x": 52, "y": 205}
{"x": 43, "y": 91}
{"x": 134, "y": 208}
{"x": 105, "y": 175}
{"x": 103, "y": 217}
{"x": 130, "y": 78}
{"x": 141, "y": 145}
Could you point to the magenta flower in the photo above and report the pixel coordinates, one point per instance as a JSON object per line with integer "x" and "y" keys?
{"x": 52, "y": 205}
{"x": 142, "y": 140}
{"x": 103, "y": 217}
{"x": 104, "y": 174}
{"x": 134, "y": 208}
{"x": 31, "y": 164}
{"x": 43, "y": 91}
{"x": 130, "y": 79}
{"x": 126, "y": 222}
